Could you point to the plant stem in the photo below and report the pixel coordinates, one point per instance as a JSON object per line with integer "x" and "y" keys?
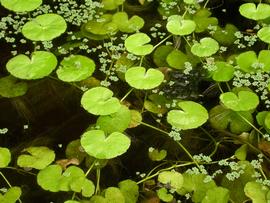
{"x": 206, "y": 3}
{"x": 141, "y": 61}
{"x": 90, "y": 168}
{"x": 162, "y": 41}
{"x": 98, "y": 180}
{"x": 125, "y": 96}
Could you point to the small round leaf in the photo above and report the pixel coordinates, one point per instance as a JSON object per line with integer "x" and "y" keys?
{"x": 139, "y": 78}
{"x": 224, "y": 72}
{"x": 5, "y": 157}
{"x": 75, "y": 68}
{"x": 250, "y": 11}
{"x": 96, "y": 144}
{"x": 21, "y": 5}
{"x": 206, "y": 47}
{"x": 11, "y": 196}
{"x": 177, "y": 59}
{"x": 11, "y": 87}
{"x": 173, "y": 178}
{"x": 44, "y": 27}
{"x": 179, "y": 26}
{"x": 192, "y": 116}
{"x": 137, "y": 44}
{"x": 41, "y": 64}
{"x": 100, "y": 101}
{"x": 264, "y": 34}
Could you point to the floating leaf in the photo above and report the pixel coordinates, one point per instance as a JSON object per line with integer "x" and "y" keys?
{"x": 127, "y": 25}
{"x": 75, "y": 68}
{"x": 206, "y": 47}
{"x": 217, "y": 194}
{"x": 130, "y": 190}
{"x": 100, "y": 101}
{"x": 11, "y": 196}
{"x": 44, "y": 27}
{"x": 164, "y": 195}
{"x": 11, "y": 87}
{"x": 250, "y": 11}
{"x": 264, "y": 34}
{"x": 191, "y": 116}
{"x": 203, "y": 20}
{"x": 243, "y": 101}
{"x": 139, "y": 78}
{"x": 41, "y": 64}
{"x": 222, "y": 118}
{"x": 137, "y": 44}
{"x": 101, "y": 26}
{"x": 225, "y": 36}
{"x": 21, "y": 5}
{"x": 39, "y": 157}
{"x": 257, "y": 192}
{"x": 5, "y": 157}
{"x": 224, "y": 72}
{"x": 177, "y": 59}
{"x": 73, "y": 178}
{"x": 156, "y": 155}
{"x": 96, "y": 144}
{"x": 179, "y": 26}
{"x": 112, "y": 4}
{"x": 116, "y": 122}
{"x": 173, "y": 178}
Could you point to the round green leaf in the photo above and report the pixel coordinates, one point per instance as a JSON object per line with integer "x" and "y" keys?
{"x": 179, "y": 26}
{"x": 217, "y": 194}
{"x": 241, "y": 152}
{"x": 74, "y": 150}
{"x": 5, "y": 157}
{"x": 101, "y": 26}
{"x": 39, "y": 157}
{"x": 111, "y": 4}
{"x": 264, "y": 34}
{"x": 137, "y": 44}
{"x": 130, "y": 190}
{"x": 164, "y": 195}
{"x": 245, "y": 60}
{"x": 83, "y": 185}
{"x": 256, "y": 192}
{"x": 96, "y": 144}
{"x": 139, "y": 78}
{"x": 75, "y": 68}
{"x": 173, "y": 178}
{"x": 244, "y": 101}
{"x": 127, "y": 25}
{"x": 11, "y": 87}
{"x": 203, "y": 19}
{"x": 114, "y": 195}
{"x": 192, "y": 116}
{"x": 224, "y": 72}
{"x": 11, "y": 196}
{"x": 21, "y": 5}
{"x": 44, "y": 27}
{"x": 160, "y": 54}
{"x": 225, "y": 36}
{"x": 177, "y": 59}
{"x": 206, "y": 47}
{"x": 97, "y": 199}
{"x": 250, "y": 11}
{"x": 100, "y": 101}
{"x": 116, "y": 122}
{"x": 41, "y": 64}
{"x": 156, "y": 155}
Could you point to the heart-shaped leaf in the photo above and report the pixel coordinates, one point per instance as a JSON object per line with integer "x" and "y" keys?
{"x": 206, "y": 47}
{"x": 44, "y": 27}
{"x": 137, "y": 44}
{"x": 217, "y": 194}
{"x": 257, "y": 192}
{"x": 127, "y": 25}
{"x": 164, "y": 195}
{"x": 225, "y": 36}
{"x": 96, "y": 144}
{"x": 5, "y": 157}
{"x": 177, "y": 59}
{"x": 73, "y": 178}
{"x": 224, "y": 72}
{"x": 222, "y": 118}
{"x": 250, "y": 11}
{"x": 11, "y": 196}
{"x": 100, "y": 101}
{"x": 41, "y": 64}
{"x": 248, "y": 61}
{"x": 203, "y": 19}
{"x": 39, "y": 157}
{"x": 264, "y": 34}
{"x": 192, "y": 116}
{"x": 101, "y": 26}
{"x": 179, "y": 26}
{"x": 156, "y": 155}
{"x": 116, "y": 122}
{"x": 111, "y": 4}
{"x": 139, "y": 78}
{"x": 11, "y": 87}
{"x": 75, "y": 68}
{"x": 21, "y": 5}
{"x": 243, "y": 101}
{"x": 173, "y": 178}
{"x": 130, "y": 190}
